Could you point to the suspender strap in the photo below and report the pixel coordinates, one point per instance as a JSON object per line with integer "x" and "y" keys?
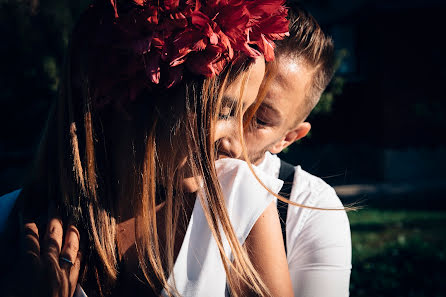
{"x": 286, "y": 174}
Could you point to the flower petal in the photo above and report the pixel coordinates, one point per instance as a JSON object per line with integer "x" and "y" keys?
{"x": 171, "y": 4}
{"x": 175, "y": 75}
{"x": 141, "y": 46}
{"x": 153, "y": 68}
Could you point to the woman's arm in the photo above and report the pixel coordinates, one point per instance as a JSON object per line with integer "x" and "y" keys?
{"x": 266, "y": 251}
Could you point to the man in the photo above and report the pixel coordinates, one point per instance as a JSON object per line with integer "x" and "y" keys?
{"x": 318, "y": 242}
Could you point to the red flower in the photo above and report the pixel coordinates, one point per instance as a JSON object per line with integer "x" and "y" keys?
{"x": 171, "y": 4}
{"x": 162, "y": 38}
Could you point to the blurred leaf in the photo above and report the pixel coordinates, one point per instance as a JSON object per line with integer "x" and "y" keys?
{"x": 335, "y": 88}
{"x": 51, "y": 69}
{"x": 389, "y": 252}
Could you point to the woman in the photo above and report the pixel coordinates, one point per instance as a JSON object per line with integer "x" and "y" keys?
{"x": 128, "y": 155}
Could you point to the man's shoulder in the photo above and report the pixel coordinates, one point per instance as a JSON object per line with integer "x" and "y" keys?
{"x": 319, "y": 233}
{"x": 312, "y": 190}
{"x": 307, "y": 189}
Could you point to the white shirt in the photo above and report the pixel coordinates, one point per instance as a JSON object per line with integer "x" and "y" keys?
{"x": 198, "y": 270}
{"x": 318, "y": 241}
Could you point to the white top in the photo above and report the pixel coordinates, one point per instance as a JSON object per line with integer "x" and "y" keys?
{"x": 198, "y": 270}
{"x": 318, "y": 241}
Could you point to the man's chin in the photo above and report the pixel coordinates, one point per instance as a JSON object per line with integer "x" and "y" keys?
{"x": 257, "y": 158}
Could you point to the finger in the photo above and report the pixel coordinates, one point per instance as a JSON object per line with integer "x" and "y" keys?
{"x": 70, "y": 248}
{"x": 56, "y": 283}
{"x": 73, "y": 277}
{"x": 53, "y": 238}
{"x": 30, "y": 268}
{"x": 31, "y": 245}
{"x": 70, "y": 257}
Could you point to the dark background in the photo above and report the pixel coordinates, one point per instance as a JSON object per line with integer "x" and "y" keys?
{"x": 378, "y": 133}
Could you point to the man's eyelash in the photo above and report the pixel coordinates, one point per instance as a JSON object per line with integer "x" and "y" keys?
{"x": 260, "y": 122}
{"x": 256, "y": 122}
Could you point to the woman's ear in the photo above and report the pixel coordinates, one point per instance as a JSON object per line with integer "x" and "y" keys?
{"x": 291, "y": 136}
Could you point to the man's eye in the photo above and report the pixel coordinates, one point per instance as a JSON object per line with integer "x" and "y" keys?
{"x": 260, "y": 122}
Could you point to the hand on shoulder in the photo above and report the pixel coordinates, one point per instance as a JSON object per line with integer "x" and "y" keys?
{"x": 48, "y": 262}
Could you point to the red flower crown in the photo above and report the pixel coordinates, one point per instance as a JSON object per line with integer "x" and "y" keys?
{"x": 168, "y": 36}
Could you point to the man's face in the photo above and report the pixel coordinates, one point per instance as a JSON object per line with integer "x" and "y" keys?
{"x": 227, "y": 127}
{"x": 280, "y": 109}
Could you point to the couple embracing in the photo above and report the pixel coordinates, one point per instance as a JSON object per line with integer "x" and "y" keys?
{"x": 137, "y": 188}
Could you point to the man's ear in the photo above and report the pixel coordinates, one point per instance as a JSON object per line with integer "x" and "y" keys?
{"x": 291, "y": 136}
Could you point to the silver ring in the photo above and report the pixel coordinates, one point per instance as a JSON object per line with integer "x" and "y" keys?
{"x": 66, "y": 260}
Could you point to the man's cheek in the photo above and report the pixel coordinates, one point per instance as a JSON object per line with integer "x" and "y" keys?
{"x": 254, "y": 140}
{"x": 250, "y": 138}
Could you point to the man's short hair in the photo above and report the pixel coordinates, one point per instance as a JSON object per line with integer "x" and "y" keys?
{"x": 312, "y": 47}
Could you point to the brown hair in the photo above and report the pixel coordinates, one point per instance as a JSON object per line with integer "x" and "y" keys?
{"x": 93, "y": 159}
{"x": 308, "y": 44}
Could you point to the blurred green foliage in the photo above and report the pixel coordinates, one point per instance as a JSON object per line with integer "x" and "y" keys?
{"x": 398, "y": 253}
{"x": 35, "y": 37}
{"x": 334, "y": 89}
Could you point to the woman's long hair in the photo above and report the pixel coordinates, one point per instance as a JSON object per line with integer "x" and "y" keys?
{"x": 93, "y": 160}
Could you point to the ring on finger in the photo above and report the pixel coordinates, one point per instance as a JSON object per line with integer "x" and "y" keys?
{"x": 63, "y": 259}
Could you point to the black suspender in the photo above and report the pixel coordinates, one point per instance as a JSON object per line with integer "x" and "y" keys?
{"x": 286, "y": 174}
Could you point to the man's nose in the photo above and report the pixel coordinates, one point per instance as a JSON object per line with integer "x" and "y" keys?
{"x": 229, "y": 147}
